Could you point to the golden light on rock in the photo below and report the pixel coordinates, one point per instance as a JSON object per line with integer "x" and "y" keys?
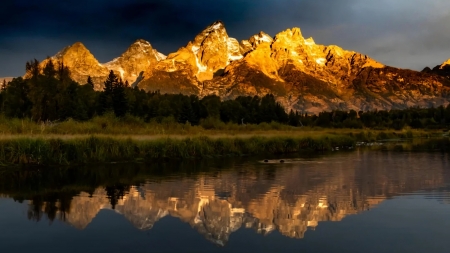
{"x": 302, "y": 74}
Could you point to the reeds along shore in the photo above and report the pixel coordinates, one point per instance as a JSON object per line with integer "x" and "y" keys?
{"x": 105, "y": 149}
{"x": 83, "y": 150}
{"x": 108, "y": 139}
{"x": 129, "y": 125}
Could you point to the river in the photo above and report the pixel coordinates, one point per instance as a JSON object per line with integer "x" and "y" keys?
{"x": 359, "y": 201}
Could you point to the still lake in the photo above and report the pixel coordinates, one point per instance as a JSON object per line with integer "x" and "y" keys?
{"x": 359, "y": 201}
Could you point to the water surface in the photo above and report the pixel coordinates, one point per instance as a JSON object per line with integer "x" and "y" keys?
{"x": 361, "y": 201}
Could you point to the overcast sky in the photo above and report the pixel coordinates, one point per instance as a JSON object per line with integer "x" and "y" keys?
{"x": 401, "y": 33}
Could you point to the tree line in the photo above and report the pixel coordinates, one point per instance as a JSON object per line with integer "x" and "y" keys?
{"x": 49, "y": 94}
{"x": 413, "y": 117}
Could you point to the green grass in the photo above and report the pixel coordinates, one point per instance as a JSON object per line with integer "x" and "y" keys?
{"x": 132, "y": 126}
{"x": 79, "y": 150}
{"x": 109, "y": 139}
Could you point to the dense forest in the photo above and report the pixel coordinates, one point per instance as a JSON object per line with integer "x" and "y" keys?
{"x": 49, "y": 94}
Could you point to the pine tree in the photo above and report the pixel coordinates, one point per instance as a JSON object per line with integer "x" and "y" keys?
{"x": 106, "y": 98}
{"x": 187, "y": 114}
{"x": 16, "y": 103}
{"x": 63, "y": 73}
{"x": 293, "y": 119}
{"x": 110, "y": 82}
{"x": 211, "y": 104}
{"x": 119, "y": 99}
{"x": 49, "y": 69}
{"x": 33, "y": 69}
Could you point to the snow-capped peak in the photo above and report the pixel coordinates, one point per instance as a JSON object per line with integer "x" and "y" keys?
{"x": 159, "y": 56}
{"x": 263, "y": 37}
{"x": 215, "y": 26}
{"x": 142, "y": 43}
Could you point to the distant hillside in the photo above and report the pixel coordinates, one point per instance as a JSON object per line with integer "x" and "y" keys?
{"x": 8, "y": 79}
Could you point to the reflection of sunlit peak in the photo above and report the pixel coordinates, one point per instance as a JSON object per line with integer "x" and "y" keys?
{"x": 285, "y": 205}
{"x": 204, "y": 190}
{"x": 237, "y": 210}
{"x": 198, "y": 219}
{"x": 203, "y": 202}
{"x": 312, "y": 223}
{"x": 234, "y": 211}
{"x": 265, "y": 229}
{"x": 105, "y": 206}
{"x": 134, "y": 192}
{"x": 162, "y": 213}
{"x": 269, "y": 228}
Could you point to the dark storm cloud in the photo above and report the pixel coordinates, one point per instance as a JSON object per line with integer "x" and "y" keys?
{"x": 403, "y": 33}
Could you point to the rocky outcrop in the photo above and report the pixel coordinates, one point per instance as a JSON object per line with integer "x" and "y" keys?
{"x": 81, "y": 64}
{"x": 137, "y": 58}
{"x": 303, "y": 75}
{"x": 129, "y": 66}
{"x": 251, "y": 44}
{"x": 312, "y": 78}
{"x": 210, "y": 52}
{"x": 440, "y": 70}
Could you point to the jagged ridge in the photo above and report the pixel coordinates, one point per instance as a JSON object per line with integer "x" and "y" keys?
{"x": 82, "y": 63}
{"x": 303, "y": 75}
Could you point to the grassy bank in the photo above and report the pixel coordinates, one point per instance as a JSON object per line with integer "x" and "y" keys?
{"x": 132, "y": 126}
{"x": 108, "y": 139}
{"x": 48, "y": 151}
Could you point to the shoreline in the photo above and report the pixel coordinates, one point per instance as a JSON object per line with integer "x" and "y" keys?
{"x": 85, "y": 149}
{"x": 94, "y": 149}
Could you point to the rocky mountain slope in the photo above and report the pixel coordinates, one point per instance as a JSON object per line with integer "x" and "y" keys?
{"x": 441, "y": 70}
{"x": 82, "y": 64}
{"x": 303, "y": 75}
{"x": 138, "y": 57}
{"x": 200, "y": 60}
{"x": 312, "y": 78}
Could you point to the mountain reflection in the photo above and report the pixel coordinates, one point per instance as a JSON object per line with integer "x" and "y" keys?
{"x": 290, "y": 198}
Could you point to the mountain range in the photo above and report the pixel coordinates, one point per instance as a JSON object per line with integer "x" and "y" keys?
{"x": 303, "y": 75}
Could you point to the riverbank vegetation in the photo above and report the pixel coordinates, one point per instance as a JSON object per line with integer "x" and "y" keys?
{"x": 47, "y": 118}
{"x": 81, "y": 150}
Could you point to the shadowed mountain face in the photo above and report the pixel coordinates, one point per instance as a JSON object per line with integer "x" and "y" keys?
{"x": 303, "y": 75}
{"x": 218, "y": 198}
{"x": 441, "y": 70}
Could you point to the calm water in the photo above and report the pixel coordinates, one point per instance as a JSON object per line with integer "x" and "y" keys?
{"x": 361, "y": 201}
